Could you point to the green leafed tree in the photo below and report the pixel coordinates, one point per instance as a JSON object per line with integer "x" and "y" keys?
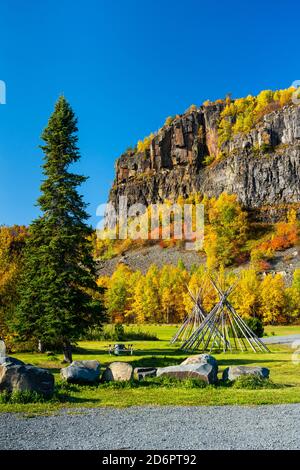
{"x": 59, "y": 296}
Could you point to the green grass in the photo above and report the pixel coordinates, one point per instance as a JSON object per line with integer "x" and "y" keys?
{"x": 159, "y": 353}
{"x": 282, "y": 330}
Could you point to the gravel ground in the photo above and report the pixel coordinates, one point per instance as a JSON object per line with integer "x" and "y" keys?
{"x": 284, "y": 262}
{"x": 165, "y": 428}
{"x": 142, "y": 258}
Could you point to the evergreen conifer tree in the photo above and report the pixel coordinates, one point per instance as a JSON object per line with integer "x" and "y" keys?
{"x": 59, "y": 296}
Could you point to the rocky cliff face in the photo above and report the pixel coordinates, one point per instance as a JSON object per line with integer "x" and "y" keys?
{"x": 261, "y": 167}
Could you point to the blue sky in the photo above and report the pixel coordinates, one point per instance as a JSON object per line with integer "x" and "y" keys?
{"x": 125, "y": 65}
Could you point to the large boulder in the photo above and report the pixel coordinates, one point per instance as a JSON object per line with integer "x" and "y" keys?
{"x": 89, "y": 364}
{"x": 118, "y": 371}
{"x": 234, "y": 372}
{"x": 140, "y": 373}
{"x": 201, "y": 359}
{"x": 17, "y": 376}
{"x": 11, "y": 361}
{"x": 205, "y": 372}
{"x": 81, "y": 372}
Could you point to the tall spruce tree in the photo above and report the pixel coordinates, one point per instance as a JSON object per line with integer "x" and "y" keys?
{"x": 59, "y": 297}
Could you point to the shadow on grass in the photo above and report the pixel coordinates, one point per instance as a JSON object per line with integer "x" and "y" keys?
{"x": 155, "y": 361}
{"x": 73, "y": 399}
{"x": 243, "y": 361}
{"x": 164, "y": 361}
{"x": 136, "y": 352}
{"x": 54, "y": 370}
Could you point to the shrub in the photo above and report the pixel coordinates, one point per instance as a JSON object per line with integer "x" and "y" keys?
{"x": 115, "y": 385}
{"x": 254, "y": 382}
{"x": 254, "y": 323}
{"x": 169, "y": 120}
{"x": 108, "y": 333}
{"x": 208, "y": 159}
{"x": 164, "y": 382}
{"x": 132, "y": 334}
{"x": 170, "y": 382}
{"x": 242, "y": 114}
{"x": 118, "y": 333}
{"x": 21, "y": 397}
{"x": 145, "y": 144}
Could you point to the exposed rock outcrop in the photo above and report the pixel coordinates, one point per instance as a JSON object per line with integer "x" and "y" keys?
{"x": 261, "y": 167}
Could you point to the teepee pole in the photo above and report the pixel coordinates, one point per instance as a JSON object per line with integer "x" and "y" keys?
{"x": 221, "y": 327}
{"x": 211, "y": 332}
{"x": 252, "y": 335}
{"x": 235, "y": 335}
{"x": 237, "y": 319}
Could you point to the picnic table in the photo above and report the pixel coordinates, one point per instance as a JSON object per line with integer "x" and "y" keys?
{"x": 120, "y": 349}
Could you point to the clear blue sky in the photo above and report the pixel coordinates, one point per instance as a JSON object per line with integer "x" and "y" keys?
{"x": 125, "y": 65}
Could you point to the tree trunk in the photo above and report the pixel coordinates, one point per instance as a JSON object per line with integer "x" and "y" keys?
{"x": 67, "y": 350}
{"x": 40, "y": 346}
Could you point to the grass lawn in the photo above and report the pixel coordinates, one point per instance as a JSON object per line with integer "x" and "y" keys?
{"x": 159, "y": 353}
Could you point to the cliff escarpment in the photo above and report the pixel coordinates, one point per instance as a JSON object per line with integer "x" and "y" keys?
{"x": 261, "y": 166}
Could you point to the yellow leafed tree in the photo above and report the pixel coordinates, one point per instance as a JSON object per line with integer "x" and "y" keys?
{"x": 245, "y": 297}
{"x": 272, "y": 298}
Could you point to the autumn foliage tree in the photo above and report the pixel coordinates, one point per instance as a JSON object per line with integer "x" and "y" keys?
{"x": 161, "y": 295}
{"x": 272, "y": 298}
{"x": 284, "y": 235}
{"x": 246, "y": 297}
{"x": 118, "y": 293}
{"x": 292, "y": 295}
{"x": 226, "y": 230}
{"x": 12, "y": 243}
{"x": 145, "y": 305}
{"x": 241, "y": 115}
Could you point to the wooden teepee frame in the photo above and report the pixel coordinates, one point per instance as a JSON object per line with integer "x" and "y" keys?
{"x": 193, "y": 320}
{"x": 223, "y": 329}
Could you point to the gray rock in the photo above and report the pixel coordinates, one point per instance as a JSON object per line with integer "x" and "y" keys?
{"x": 11, "y": 361}
{"x": 118, "y": 371}
{"x": 140, "y": 373}
{"x": 17, "y": 376}
{"x": 201, "y": 359}
{"x": 234, "y": 372}
{"x": 205, "y": 372}
{"x": 83, "y": 372}
{"x": 89, "y": 364}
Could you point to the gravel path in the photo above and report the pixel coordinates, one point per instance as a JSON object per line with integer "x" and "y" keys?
{"x": 166, "y": 428}
{"x": 289, "y": 339}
